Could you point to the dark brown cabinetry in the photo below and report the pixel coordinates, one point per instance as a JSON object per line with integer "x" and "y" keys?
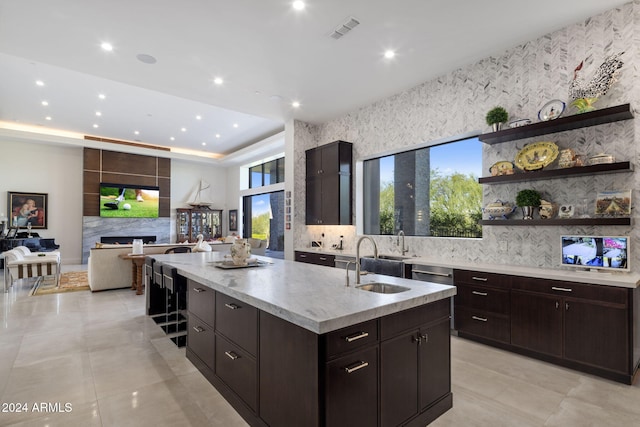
{"x": 587, "y": 324}
{"x": 192, "y": 222}
{"x": 315, "y": 258}
{"x": 328, "y": 184}
{"x": 482, "y": 306}
{"x": 581, "y": 326}
{"x": 276, "y": 373}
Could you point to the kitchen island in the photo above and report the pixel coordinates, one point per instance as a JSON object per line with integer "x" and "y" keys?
{"x": 289, "y": 344}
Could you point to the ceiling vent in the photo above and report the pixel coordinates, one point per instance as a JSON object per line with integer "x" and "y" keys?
{"x": 344, "y": 28}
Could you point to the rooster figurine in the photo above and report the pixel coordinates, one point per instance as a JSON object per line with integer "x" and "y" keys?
{"x": 585, "y": 94}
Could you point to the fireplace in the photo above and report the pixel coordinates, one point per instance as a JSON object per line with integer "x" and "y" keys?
{"x": 127, "y": 240}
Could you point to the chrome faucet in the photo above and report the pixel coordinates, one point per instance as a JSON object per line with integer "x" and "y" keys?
{"x": 375, "y": 255}
{"x": 404, "y": 249}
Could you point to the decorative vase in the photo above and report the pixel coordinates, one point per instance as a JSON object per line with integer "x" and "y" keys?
{"x": 527, "y": 212}
{"x": 240, "y": 252}
{"x": 497, "y": 126}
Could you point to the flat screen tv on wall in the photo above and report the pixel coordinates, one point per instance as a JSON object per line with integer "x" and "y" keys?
{"x": 597, "y": 252}
{"x": 129, "y": 201}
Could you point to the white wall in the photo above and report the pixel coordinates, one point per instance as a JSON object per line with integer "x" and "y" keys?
{"x": 51, "y": 169}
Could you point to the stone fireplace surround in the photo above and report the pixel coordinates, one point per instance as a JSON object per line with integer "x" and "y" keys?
{"x": 96, "y": 228}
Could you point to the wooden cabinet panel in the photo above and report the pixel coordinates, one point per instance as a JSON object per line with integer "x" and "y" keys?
{"x": 237, "y": 369}
{"x": 435, "y": 361}
{"x": 597, "y": 334}
{"x": 237, "y": 321}
{"x": 482, "y": 323}
{"x": 482, "y": 278}
{"x": 315, "y": 258}
{"x": 410, "y": 319}
{"x": 574, "y": 290}
{"x": 351, "y": 338}
{"x": 200, "y": 339}
{"x": 536, "y": 322}
{"x": 352, "y": 390}
{"x": 201, "y": 301}
{"x": 483, "y": 297}
{"x": 398, "y": 379}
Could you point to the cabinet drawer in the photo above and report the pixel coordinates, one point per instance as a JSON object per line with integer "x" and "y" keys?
{"x": 610, "y": 294}
{"x": 315, "y": 258}
{"x": 237, "y": 369}
{"x": 200, "y": 339}
{"x": 201, "y": 301}
{"x": 237, "y": 321}
{"x": 477, "y": 277}
{"x": 483, "y": 324}
{"x": 396, "y": 323}
{"x": 351, "y": 338}
{"x": 483, "y": 298}
{"x": 432, "y": 273}
{"x": 352, "y": 390}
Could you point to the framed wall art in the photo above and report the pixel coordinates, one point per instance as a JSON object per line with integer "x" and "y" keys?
{"x": 233, "y": 220}
{"x": 27, "y": 208}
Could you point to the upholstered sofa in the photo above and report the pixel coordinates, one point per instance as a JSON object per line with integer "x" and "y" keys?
{"x": 106, "y": 270}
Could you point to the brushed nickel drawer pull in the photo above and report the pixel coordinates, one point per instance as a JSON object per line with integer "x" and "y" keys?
{"x": 555, "y": 288}
{"x": 481, "y": 279}
{"x": 433, "y": 273}
{"x": 356, "y": 336}
{"x": 482, "y": 294}
{"x": 481, "y": 319}
{"x": 231, "y": 355}
{"x": 198, "y": 290}
{"x": 302, "y": 255}
{"x": 358, "y": 365}
{"x": 232, "y": 306}
{"x": 198, "y": 329}
{"x": 323, "y": 258}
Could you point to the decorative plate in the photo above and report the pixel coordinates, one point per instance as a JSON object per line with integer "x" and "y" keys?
{"x": 536, "y": 156}
{"x": 502, "y": 167}
{"x": 551, "y": 110}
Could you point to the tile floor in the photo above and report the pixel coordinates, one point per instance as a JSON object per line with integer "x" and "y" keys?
{"x": 115, "y": 367}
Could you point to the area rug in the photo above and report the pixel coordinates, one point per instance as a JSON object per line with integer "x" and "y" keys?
{"x": 71, "y": 281}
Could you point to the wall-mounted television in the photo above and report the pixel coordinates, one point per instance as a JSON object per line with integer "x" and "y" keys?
{"x": 129, "y": 201}
{"x": 598, "y": 252}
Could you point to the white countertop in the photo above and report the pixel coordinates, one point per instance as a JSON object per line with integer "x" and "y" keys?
{"x": 606, "y": 278}
{"x": 310, "y": 296}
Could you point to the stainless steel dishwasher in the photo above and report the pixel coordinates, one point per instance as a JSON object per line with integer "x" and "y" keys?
{"x": 435, "y": 274}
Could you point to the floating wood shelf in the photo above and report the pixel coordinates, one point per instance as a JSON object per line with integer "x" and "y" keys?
{"x": 618, "y": 167}
{"x": 592, "y": 118}
{"x": 559, "y": 221}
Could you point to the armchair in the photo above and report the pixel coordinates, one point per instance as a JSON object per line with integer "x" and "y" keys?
{"x": 20, "y": 266}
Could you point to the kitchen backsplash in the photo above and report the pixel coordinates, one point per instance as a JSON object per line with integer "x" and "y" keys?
{"x": 521, "y": 79}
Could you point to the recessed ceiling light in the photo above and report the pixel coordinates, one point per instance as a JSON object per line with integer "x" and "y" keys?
{"x": 217, "y": 135}
{"x": 389, "y": 54}
{"x": 45, "y": 103}
{"x": 235, "y": 125}
{"x": 298, "y": 5}
{"x": 95, "y": 125}
{"x": 39, "y": 83}
{"x": 295, "y": 104}
{"x": 218, "y": 80}
{"x": 102, "y": 96}
{"x": 136, "y": 132}
{"x": 106, "y": 46}
{"x": 172, "y": 138}
{"x": 48, "y": 118}
{"x": 204, "y": 143}
{"x": 198, "y": 117}
{"x": 98, "y": 113}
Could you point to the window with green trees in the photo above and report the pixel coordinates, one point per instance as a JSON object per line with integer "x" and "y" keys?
{"x": 431, "y": 191}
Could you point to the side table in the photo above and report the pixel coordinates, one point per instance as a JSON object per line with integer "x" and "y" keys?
{"x": 137, "y": 262}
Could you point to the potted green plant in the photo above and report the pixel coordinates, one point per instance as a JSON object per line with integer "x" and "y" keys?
{"x": 528, "y": 200}
{"x": 496, "y": 117}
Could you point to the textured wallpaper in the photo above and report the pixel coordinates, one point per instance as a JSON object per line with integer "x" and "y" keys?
{"x": 522, "y": 79}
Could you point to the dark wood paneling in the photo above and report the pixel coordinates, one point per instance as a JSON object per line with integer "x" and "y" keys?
{"x": 165, "y": 207}
{"x": 91, "y": 159}
{"x": 130, "y": 180}
{"x": 91, "y": 182}
{"x": 237, "y": 321}
{"x": 165, "y": 187}
{"x": 164, "y": 167}
{"x": 409, "y": 319}
{"x": 90, "y": 204}
{"x": 127, "y": 163}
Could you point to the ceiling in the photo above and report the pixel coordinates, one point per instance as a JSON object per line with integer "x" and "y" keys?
{"x": 267, "y": 54}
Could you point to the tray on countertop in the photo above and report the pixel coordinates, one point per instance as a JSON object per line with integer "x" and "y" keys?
{"x": 230, "y": 265}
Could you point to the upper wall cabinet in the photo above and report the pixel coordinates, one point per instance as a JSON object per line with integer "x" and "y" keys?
{"x": 328, "y": 184}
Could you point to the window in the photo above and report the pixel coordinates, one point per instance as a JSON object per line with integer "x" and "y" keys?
{"x": 267, "y": 173}
{"x": 430, "y": 191}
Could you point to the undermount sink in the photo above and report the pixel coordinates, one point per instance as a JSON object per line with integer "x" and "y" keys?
{"x": 393, "y": 257}
{"x": 382, "y": 288}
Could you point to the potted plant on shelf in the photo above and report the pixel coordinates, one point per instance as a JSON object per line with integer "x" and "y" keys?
{"x": 496, "y": 117}
{"x": 528, "y": 200}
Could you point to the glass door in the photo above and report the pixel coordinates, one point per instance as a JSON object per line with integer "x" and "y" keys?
{"x": 264, "y": 220}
